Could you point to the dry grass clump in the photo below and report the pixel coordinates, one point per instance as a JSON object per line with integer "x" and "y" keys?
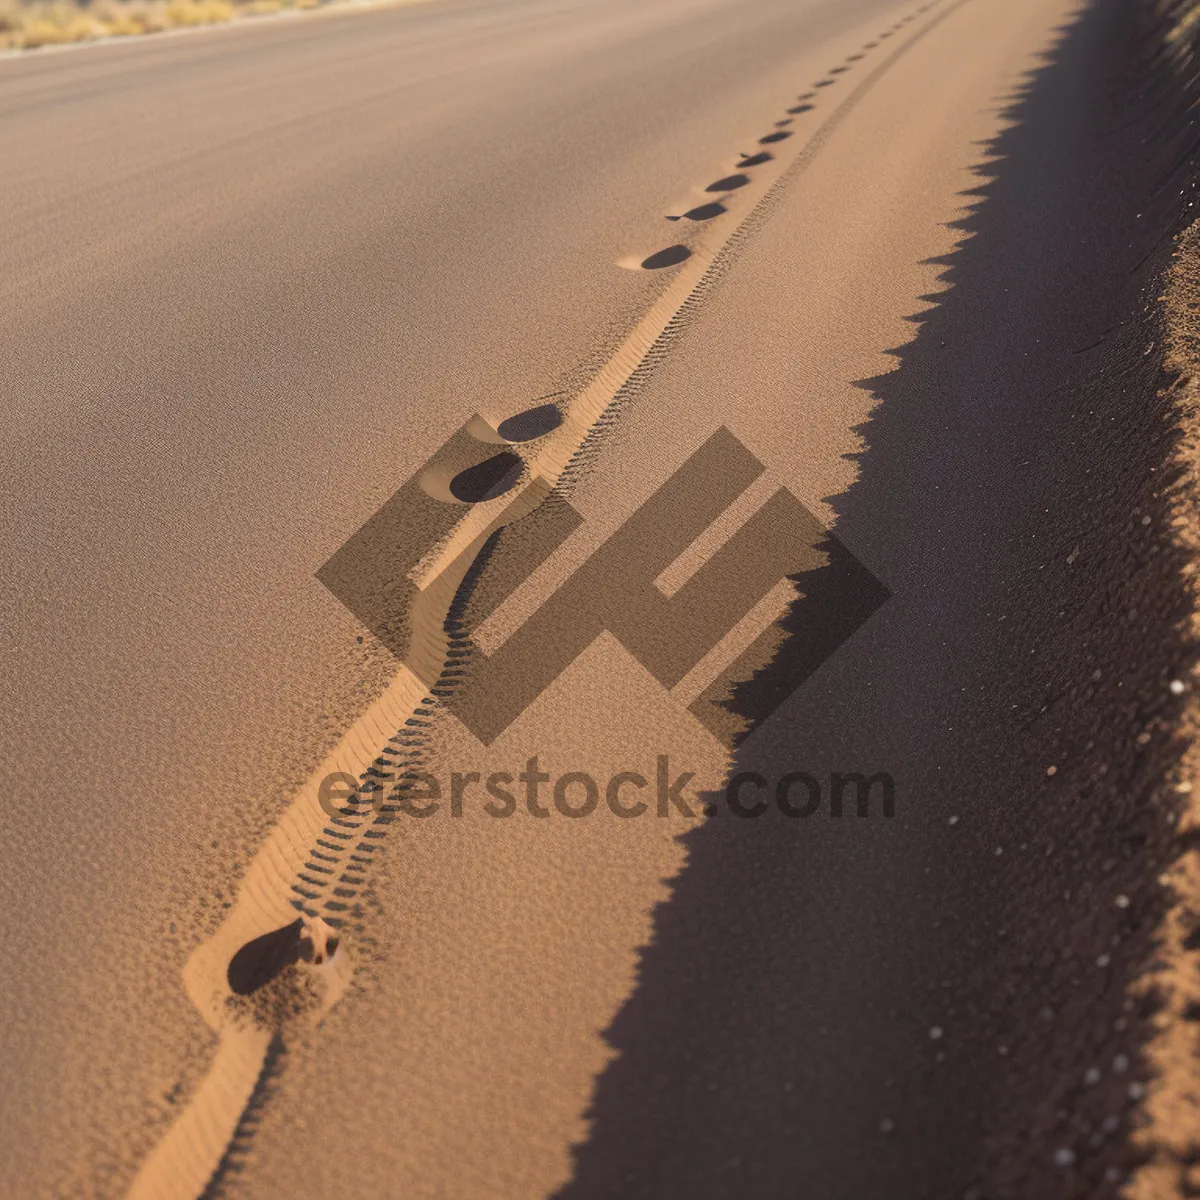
{"x": 198, "y": 12}
{"x": 30, "y": 24}
{"x": 45, "y": 24}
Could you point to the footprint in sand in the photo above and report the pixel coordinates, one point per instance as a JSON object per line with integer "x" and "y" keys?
{"x": 702, "y": 212}
{"x": 488, "y": 479}
{"x": 672, "y": 256}
{"x": 530, "y": 424}
{"x": 729, "y": 184}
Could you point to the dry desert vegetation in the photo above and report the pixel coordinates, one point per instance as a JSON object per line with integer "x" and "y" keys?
{"x": 25, "y": 26}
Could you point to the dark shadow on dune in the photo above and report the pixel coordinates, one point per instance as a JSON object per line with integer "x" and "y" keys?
{"x": 233, "y": 1160}
{"x": 756, "y": 160}
{"x": 672, "y": 256}
{"x": 836, "y": 600}
{"x": 488, "y": 479}
{"x": 729, "y": 183}
{"x": 857, "y": 1008}
{"x": 530, "y": 424}
{"x": 263, "y": 959}
{"x": 705, "y": 212}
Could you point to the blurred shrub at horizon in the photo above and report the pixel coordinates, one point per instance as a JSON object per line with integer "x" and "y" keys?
{"x": 29, "y": 25}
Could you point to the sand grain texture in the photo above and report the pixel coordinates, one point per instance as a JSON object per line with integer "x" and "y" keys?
{"x": 371, "y": 243}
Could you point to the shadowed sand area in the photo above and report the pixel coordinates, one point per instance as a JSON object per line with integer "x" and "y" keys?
{"x": 908, "y": 1007}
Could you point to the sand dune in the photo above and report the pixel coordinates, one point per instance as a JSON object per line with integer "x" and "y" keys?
{"x": 440, "y": 449}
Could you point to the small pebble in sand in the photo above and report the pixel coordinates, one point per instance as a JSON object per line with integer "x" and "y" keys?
{"x": 952, "y": 821}
{"x": 887, "y": 1125}
{"x": 1103, "y": 960}
{"x": 1176, "y": 686}
{"x": 1137, "y": 1091}
{"x": 1064, "y": 1156}
{"x": 1121, "y": 901}
{"x": 1120, "y": 1064}
{"x": 1091, "y": 1075}
{"x": 1051, "y": 771}
{"x": 1146, "y": 520}
{"x": 936, "y": 1032}
{"x": 1183, "y": 788}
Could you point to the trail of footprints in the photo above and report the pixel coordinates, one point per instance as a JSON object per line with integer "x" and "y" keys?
{"x": 672, "y": 256}
{"x": 327, "y": 892}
